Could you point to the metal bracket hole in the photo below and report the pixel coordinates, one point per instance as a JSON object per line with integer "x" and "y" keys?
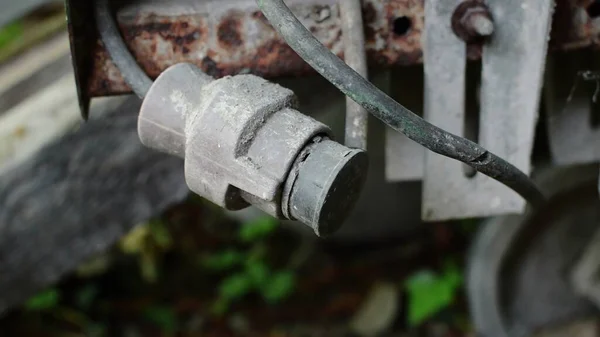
{"x": 402, "y": 25}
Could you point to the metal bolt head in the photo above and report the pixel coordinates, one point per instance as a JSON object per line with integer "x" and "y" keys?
{"x": 472, "y": 21}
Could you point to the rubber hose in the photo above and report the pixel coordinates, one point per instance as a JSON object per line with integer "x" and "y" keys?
{"x": 388, "y": 110}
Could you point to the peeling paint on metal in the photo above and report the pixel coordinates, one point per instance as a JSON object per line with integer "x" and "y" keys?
{"x": 233, "y": 37}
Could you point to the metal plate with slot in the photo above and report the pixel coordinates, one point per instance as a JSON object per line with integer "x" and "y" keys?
{"x": 512, "y": 66}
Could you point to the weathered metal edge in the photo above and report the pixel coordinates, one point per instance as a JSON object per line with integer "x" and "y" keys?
{"x": 231, "y": 37}
{"x": 79, "y": 34}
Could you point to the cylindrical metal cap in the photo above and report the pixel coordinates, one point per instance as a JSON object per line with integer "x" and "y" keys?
{"x": 327, "y": 183}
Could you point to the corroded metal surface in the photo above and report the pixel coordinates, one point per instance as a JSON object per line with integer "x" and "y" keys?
{"x": 231, "y": 37}
{"x": 576, "y": 24}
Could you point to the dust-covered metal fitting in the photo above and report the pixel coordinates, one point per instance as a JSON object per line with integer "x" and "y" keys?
{"x": 472, "y": 21}
{"x": 245, "y": 143}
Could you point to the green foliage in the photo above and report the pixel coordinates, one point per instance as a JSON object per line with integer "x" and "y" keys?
{"x": 9, "y": 33}
{"x": 224, "y": 260}
{"x": 148, "y": 241}
{"x": 245, "y": 271}
{"x": 256, "y": 277}
{"x": 251, "y": 273}
{"x": 258, "y": 272}
{"x": 278, "y": 287}
{"x": 235, "y": 286}
{"x": 220, "y": 306}
{"x": 149, "y": 265}
{"x": 135, "y": 241}
{"x": 160, "y": 234}
{"x": 46, "y": 300}
{"x": 86, "y": 296}
{"x": 95, "y": 267}
{"x": 257, "y": 230}
{"x": 429, "y": 293}
{"x": 163, "y": 317}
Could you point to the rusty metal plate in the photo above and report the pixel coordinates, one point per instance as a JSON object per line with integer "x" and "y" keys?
{"x": 576, "y": 24}
{"x": 227, "y": 37}
{"x": 232, "y": 37}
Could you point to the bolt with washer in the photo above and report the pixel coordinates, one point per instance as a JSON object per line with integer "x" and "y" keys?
{"x": 472, "y": 21}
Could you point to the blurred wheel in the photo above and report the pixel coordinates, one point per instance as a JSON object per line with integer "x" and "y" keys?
{"x": 519, "y": 274}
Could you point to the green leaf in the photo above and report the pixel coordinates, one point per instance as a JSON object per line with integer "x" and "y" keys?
{"x": 280, "y": 286}
{"x": 259, "y": 229}
{"x": 86, "y": 296}
{"x": 95, "y": 267}
{"x": 160, "y": 234}
{"x": 258, "y": 272}
{"x": 235, "y": 287}
{"x": 163, "y": 317}
{"x": 220, "y": 307}
{"x": 223, "y": 260}
{"x": 149, "y": 266}
{"x": 135, "y": 241}
{"x": 10, "y": 33}
{"x": 258, "y": 252}
{"x": 45, "y": 300}
{"x": 429, "y": 293}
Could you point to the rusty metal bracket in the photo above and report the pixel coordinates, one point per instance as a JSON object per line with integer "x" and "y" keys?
{"x": 232, "y": 37}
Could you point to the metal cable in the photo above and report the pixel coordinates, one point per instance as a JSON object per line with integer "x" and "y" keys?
{"x": 355, "y": 56}
{"x": 388, "y": 110}
{"x": 132, "y": 73}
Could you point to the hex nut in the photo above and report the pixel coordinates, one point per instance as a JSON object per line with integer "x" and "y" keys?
{"x": 472, "y": 21}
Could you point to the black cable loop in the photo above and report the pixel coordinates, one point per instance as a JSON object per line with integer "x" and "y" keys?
{"x": 388, "y": 110}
